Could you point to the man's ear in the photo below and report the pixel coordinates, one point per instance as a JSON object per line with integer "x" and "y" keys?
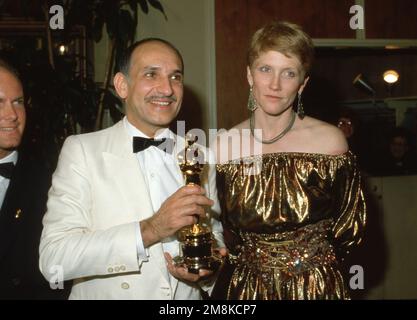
{"x": 121, "y": 85}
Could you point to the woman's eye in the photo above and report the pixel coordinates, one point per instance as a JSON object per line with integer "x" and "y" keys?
{"x": 289, "y": 74}
{"x": 265, "y": 69}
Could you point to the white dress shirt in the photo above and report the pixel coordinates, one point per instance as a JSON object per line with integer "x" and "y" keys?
{"x": 163, "y": 178}
{"x": 4, "y": 183}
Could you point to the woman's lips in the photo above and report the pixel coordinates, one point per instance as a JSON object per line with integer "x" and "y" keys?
{"x": 273, "y": 97}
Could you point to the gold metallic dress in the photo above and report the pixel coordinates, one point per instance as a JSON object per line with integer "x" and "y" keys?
{"x": 288, "y": 217}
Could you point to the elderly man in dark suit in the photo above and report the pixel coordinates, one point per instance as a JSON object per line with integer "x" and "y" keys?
{"x": 23, "y": 190}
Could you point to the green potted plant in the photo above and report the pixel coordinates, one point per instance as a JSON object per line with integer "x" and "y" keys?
{"x": 61, "y": 100}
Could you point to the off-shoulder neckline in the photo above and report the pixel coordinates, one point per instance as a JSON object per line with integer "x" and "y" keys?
{"x": 293, "y": 153}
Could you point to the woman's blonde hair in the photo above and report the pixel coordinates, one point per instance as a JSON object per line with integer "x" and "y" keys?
{"x": 286, "y": 38}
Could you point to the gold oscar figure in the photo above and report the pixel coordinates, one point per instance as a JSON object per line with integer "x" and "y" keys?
{"x": 196, "y": 241}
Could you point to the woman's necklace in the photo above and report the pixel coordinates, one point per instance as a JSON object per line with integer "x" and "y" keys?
{"x": 279, "y": 136}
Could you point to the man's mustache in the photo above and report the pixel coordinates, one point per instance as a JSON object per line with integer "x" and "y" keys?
{"x": 169, "y": 98}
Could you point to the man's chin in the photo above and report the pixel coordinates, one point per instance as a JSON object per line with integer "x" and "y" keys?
{"x": 10, "y": 145}
{"x": 4, "y": 152}
{"x": 165, "y": 122}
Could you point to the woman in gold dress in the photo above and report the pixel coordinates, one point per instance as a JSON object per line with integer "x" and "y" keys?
{"x": 292, "y": 210}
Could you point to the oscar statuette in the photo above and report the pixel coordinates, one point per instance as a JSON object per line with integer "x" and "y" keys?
{"x": 196, "y": 241}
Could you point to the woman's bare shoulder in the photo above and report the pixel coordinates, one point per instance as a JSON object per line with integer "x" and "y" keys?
{"x": 324, "y": 137}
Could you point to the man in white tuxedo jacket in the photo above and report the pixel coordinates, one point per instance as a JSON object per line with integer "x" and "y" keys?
{"x": 113, "y": 212}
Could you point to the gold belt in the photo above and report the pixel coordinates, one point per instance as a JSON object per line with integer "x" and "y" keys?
{"x": 292, "y": 252}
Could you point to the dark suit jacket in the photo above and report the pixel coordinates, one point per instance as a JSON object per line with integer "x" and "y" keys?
{"x": 20, "y": 230}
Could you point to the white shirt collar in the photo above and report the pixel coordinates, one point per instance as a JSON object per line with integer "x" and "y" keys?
{"x": 12, "y": 157}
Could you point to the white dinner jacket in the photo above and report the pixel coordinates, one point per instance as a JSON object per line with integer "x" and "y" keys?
{"x": 97, "y": 197}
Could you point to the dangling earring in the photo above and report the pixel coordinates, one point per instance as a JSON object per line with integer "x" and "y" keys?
{"x": 300, "y": 108}
{"x": 252, "y": 105}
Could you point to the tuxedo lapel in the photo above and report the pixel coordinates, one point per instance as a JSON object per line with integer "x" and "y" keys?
{"x": 128, "y": 177}
{"x": 130, "y": 181}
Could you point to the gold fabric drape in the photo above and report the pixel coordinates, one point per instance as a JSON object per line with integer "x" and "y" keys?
{"x": 288, "y": 218}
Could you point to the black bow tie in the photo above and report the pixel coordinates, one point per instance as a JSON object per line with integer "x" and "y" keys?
{"x": 140, "y": 144}
{"x": 6, "y": 169}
